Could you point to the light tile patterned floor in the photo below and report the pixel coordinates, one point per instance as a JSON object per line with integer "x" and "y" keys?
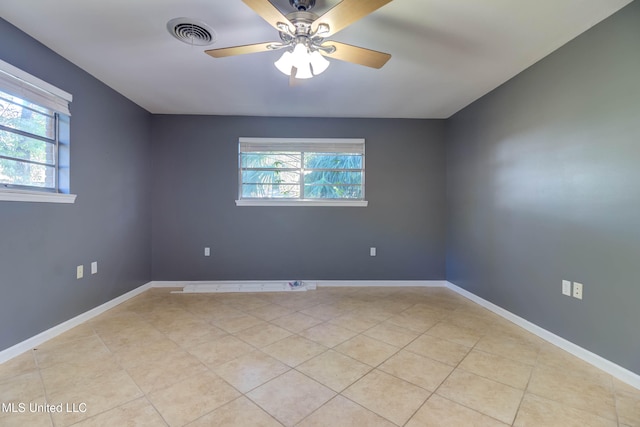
{"x": 330, "y": 357}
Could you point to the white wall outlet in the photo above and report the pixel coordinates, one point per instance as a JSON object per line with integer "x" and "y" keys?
{"x": 372, "y": 251}
{"x": 577, "y": 290}
{"x": 94, "y": 267}
{"x": 80, "y": 272}
{"x": 566, "y": 287}
{"x": 207, "y": 251}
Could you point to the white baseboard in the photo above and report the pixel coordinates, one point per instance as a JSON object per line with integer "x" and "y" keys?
{"x": 53, "y": 332}
{"x": 244, "y": 286}
{"x": 381, "y": 283}
{"x": 167, "y": 284}
{"x": 319, "y": 283}
{"x": 599, "y": 362}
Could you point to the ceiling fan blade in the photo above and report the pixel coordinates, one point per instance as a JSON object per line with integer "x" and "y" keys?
{"x": 346, "y": 13}
{"x": 239, "y": 50}
{"x": 269, "y": 13}
{"x": 357, "y": 55}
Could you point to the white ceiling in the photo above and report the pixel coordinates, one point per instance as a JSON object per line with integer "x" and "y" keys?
{"x": 445, "y": 53}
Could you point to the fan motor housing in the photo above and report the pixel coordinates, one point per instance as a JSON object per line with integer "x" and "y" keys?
{"x": 302, "y": 5}
{"x": 303, "y": 18}
{"x": 302, "y": 22}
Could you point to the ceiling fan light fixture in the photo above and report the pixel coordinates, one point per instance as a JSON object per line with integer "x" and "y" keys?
{"x": 303, "y": 36}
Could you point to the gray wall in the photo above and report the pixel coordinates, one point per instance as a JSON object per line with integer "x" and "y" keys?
{"x": 41, "y": 243}
{"x": 195, "y": 186}
{"x": 543, "y": 184}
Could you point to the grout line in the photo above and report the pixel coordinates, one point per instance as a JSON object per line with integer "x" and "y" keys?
{"x": 527, "y": 385}
{"x": 615, "y": 400}
{"x": 431, "y": 393}
{"x": 451, "y": 373}
{"x": 524, "y": 393}
{"x": 44, "y": 388}
{"x": 318, "y": 408}
{"x": 401, "y": 348}
{"x": 367, "y": 298}
{"x": 155, "y": 409}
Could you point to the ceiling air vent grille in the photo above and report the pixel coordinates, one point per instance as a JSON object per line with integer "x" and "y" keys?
{"x": 191, "y": 32}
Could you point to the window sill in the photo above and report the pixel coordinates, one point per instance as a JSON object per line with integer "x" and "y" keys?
{"x": 334, "y": 203}
{"x": 35, "y": 196}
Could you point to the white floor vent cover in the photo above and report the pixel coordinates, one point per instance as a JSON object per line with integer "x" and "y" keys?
{"x": 262, "y": 286}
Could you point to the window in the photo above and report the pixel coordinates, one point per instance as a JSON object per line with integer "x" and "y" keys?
{"x": 301, "y": 172}
{"x": 34, "y": 138}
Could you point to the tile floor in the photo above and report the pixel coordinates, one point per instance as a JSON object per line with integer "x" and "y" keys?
{"x": 329, "y": 357}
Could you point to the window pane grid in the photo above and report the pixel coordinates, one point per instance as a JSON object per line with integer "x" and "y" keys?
{"x": 274, "y": 160}
{"x": 270, "y": 191}
{"x": 5, "y": 129}
{"x": 34, "y": 124}
{"x": 333, "y": 161}
{"x": 332, "y": 185}
{"x": 26, "y": 161}
{"x": 5, "y": 97}
{"x": 332, "y": 170}
{"x": 25, "y": 117}
{"x": 28, "y": 156}
{"x": 273, "y": 169}
{"x": 26, "y": 174}
{"x": 314, "y": 174}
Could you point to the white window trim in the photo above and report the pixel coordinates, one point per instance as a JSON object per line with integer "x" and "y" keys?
{"x": 302, "y": 202}
{"x": 276, "y": 142}
{"x": 23, "y": 75}
{"x": 11, "y": 195}
{"x": 280, "y": 202}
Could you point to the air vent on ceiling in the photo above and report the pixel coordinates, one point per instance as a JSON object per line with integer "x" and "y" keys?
{"x": 191, "y": 32}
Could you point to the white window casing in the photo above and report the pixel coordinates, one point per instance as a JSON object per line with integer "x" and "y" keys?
{"x": 353, "y": 148}
{"x": 21, "y": 84}
{"x": 24, "y": 91}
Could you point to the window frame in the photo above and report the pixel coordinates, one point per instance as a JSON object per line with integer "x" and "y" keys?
{"x": 323, "y": 143}
{"x": 23, "y": 85}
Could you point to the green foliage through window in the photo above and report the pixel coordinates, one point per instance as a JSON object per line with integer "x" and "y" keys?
{"x": 302, "y": 174}
{"x": 27, "y": 144}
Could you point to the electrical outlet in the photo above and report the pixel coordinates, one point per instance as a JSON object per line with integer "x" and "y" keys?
{"x": 207, "y": 251}
{"x": 94, "y": 267}
{"x": 80, "y": 272}
{"x": 372, "y": 251}
{"x": 577, "y": 290}
{"x": 566, "y": 287}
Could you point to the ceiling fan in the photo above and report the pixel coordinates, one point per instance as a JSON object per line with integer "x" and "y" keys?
{"x": 303, "y": 36}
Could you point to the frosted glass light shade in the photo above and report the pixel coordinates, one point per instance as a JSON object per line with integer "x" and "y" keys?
{"x": 304, "y": 72}
{"x": 306, "y": 64}
{"x": 300, "y": 55}
{"x": 318, "y": 62}
{"x": 285, "y": 63}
